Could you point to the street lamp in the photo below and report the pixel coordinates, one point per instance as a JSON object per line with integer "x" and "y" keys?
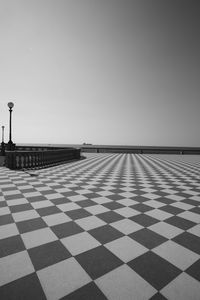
{"x": 2, "y": 143}
{"x": 11, "y": 145}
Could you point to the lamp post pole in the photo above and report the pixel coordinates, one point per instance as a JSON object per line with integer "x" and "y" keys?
{"x": 2, "y": 143}
{"x": 11, "y": 146}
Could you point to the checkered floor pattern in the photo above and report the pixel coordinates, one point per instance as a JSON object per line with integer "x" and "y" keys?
{"x": 111, "y": 226}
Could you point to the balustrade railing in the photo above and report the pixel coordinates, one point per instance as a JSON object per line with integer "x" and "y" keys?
{"x": 33, "y": 159}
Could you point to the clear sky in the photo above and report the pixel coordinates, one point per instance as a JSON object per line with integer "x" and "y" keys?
{"x": 121, "y": 72}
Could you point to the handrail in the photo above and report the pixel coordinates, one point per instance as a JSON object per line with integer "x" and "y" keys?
{"x": 33, "y": 159}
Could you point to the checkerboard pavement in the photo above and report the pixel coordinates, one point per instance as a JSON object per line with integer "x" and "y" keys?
{"x": 111, "y": 226}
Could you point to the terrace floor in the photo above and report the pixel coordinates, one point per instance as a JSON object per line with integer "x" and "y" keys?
{"x": 112, "y": 226}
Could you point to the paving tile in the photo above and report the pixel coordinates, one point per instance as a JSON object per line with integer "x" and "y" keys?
{"x": 27, "y": 287}
{"x": 98, "y": 261}
{"x": 152, "y": 265}
{"x": 48, "y": 254}
{"x": 123, "y": 283}
{"x": 62, "y": 278}
{"x": 148, "y": 238}
{"x": 124, "y": 226}
{"x": 183, "y": 287}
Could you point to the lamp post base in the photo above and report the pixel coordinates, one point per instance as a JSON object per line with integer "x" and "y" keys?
{"x": 10, "y": 146}
{"x": 3, "y": 149}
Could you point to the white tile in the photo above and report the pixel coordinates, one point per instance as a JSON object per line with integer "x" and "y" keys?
{"x": 127, "y": 194}
{"x": 127, "y": 212}
{"x": 126, "y": 226}
{"x": 96, "y": 209}
{"x": 127, "y": 202}
{"x": 158, "y": 214}
{"x": 68, "y": 206}
{"x": 38, "y": 237}
{"x": 77, "y": 198}
{"x": 188, "y": 215}
{"x": 17, "y": 201}
{"x": 53, "y": 196}
{"x": 125, "y": 284}
{"x": 31, "y": 194}
{"x": 80, "y": 243}
{"x": 4, "y": 211}
{"x": 175, "y": 197}
{"x": 13, "y": 192}
{"x": 25, "y": 215}
{"x": 101, "y": 200}
{"x": 126, "y": 248}
{"x": 154, "y": 203}
{"x": 165, "y": 229}
{"x": 55, "y": 219}
{"x": 176, "y": 254}
{"x": 151, "y": 196}
{"x": 15, "y": 266}
{"x": 182, "y": 205}
{"x": 62, "y": 278}
{"x": 40, "y": 204}
{"x": 195, "y": 230}
{"x": 105, "y": 193}
{"x": 90, "y": 222}
{"x": 183, "y": 287}
{"x": 8, "y": 230}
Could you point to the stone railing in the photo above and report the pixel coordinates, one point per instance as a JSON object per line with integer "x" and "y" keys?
{"x": 24, "y": 159}
{"x": 141, "y": 150}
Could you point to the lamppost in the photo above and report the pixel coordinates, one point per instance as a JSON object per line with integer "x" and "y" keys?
{"x": 2, "y": 143}
{"x": 11, "y": 145}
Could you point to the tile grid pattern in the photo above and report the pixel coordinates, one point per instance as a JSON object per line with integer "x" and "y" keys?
{"x": 112, "y": 226}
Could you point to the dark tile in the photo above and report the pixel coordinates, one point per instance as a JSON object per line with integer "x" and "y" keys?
{"x": 45, "y": 211}
{"x": 69, "y": 194}
{"x": 77, "y": 214}
{"x": 171, "y": 209}
{"x": 21, "y": 207}
{"x": 113, "y": 205}
{"x": 13, "y": 197}
{"x": 91, "y": 195}
{"x": 140, "y": 199}
{"x": 158, "y": 296}
{"x": 47, "y": 192}
{"x": 154, "y": 269}
{"x": 86, "y": 203}
{"x": 110, "y": 217}
{"x": 3, "y": 204}
{"x": 66, "y": 229}
{"x": 166, "y": 201}
{"x": 180, "y": 222}
{"x": 48, "y": 254}
{"x": 25, "y": 288}
{"x": 88, "y": 292}
{"x": 105, "y": 234}
{"x": 141, "y": 207}
{"x": 6, "y": 219}
{"x": 189, "y": 241}
{"x": 194, "y": 270}
{"x": 115, "y": 197}
{"x": 144, "y": 220}
{"x": 196, "y": 210}
{"x": 36, "y": 198}
{"x": 147, "y": 238}
{"x": 6, "y": 189}
{"x": 11, "y": 245}
{"x": 191, "y": 202}
{"x": 98, "y": 261}
{"x": 60, "y": 201}
{"x": 30, "y": 225}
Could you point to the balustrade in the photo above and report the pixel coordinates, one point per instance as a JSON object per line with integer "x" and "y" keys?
{"x": 40, "y": 158}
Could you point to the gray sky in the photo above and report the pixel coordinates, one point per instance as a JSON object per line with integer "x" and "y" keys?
{"x": 123, "y": 72}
